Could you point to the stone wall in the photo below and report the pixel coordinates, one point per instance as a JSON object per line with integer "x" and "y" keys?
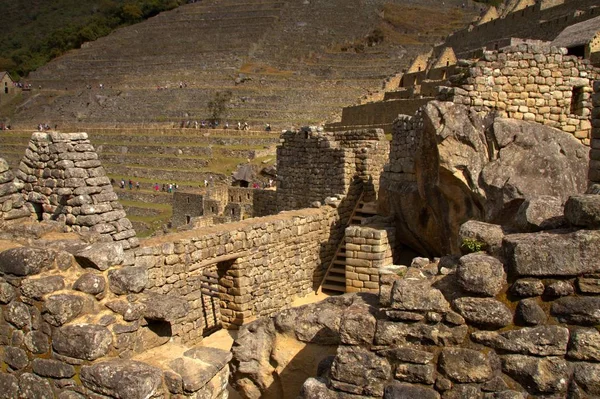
{"x": 379, "y": 113}
{"x": 520, "y": 325}
{"x": 13, "y": 202}
{"x": 313, "y": 165}
{"x": 534, "y": 83}
{"x": 594, "y": 175}
{"x": 368, "y": 250}
{"x": 186, "y": 205}
{"x": 229, "y": 203}
{"x": 77, "y": 323}
{"x": 256, "y": 267}
{"x": 65, "y": 181}
{"x": 542, "y": 21}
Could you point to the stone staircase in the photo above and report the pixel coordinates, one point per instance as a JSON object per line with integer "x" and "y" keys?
{"x": 334, "y": 281}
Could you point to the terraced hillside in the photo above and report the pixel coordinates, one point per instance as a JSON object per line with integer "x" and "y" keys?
{"x": 150, "y": 156}
{"x": 287, "y": 62}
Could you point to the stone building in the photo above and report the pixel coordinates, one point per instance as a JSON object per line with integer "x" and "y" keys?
{"x": 6, "y": 84}
{"x": 582, "y": 40}
{"x": 63, "y": 180}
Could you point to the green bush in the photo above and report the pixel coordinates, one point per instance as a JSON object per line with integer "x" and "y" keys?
{"x": 470, "y": 245}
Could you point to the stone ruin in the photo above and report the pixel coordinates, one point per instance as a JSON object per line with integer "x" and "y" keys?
{"x": 82, "y": 317}
{"x": 63, "y": 180}
{"x": 519, "y": 324}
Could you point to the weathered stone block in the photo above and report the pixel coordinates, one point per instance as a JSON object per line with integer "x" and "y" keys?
{"x": 537, "y": 341}
{"x": 82, "y": 341}
{"x": 465, "y": 365}
{"x": 25, "y": 261}
{"x": 122, "y": 379}
{"x": 550, "y": 254}
{"x": 484, "y": 312}
{"x": 128, "y": 279}
{"x": 37, "y": 288}
{"x": 481, "y": 274}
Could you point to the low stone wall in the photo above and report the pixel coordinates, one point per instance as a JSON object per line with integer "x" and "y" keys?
{"x": 368, "y": 250}
{"x": 77, "y": 322}
{"x": 519, "y": 326}
{"x": 594, "y": 175}
{"x": 534, "y": 83}
{"x": 383, "y": 112}
{"x": 256, "y": 267}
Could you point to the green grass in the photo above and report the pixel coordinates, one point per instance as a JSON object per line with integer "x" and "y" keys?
{"x": 153, "y": 223}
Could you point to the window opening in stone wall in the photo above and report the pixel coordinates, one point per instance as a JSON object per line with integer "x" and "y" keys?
{"x": 188, "y": 200}
{"x": 39, "y": 210}
{"x": 240, "y": 197}
{"x": 578, "y": 51}
{"x": 577, "y": 101}
{"x": 213, "y": 210}
{"x": 226, "y": 286}
{"x": 188, "y": 219}
{"x": 232, "y": 212}
{"x": 231, "y": 199}
{"x": 248, "y": 195}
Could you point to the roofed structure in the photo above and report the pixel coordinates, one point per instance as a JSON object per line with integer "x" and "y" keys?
{"x": 490, "y": 15}
{"x": 582, "y": 39}
{"x": 420, "y": 63}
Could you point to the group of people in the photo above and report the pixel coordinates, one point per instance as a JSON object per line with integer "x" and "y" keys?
{"x": 45, "y": 126}
{"x": 4, "y": 126}
{"x": 166, "y": 188}
{"x": 187, "y": 124}
{"x": 130, "y": 183}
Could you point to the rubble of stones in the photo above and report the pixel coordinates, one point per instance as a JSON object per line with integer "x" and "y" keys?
{"x": 74, "y": 315}
{"x": 517, "y": 321}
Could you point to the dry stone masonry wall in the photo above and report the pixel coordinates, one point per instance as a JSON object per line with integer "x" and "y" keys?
{"x": 77, "y": 322}
{"x": 65, "y": 181}
{"x": 532, "y": 82}
{"x": 13, "y": 202}
{"x": 521, "y": 324}
{"x": 313, "y": 165}
{"x": 368, "y": 249}
{"x": 594, "y": 175}
{"x": 239, "y": 270}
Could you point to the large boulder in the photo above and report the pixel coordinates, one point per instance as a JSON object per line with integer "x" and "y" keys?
{"x": 468, "y": 167}
{"x": 123, "y": 379}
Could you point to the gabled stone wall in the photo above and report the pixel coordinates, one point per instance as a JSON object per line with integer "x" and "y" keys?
{"x": 65, "y": 181}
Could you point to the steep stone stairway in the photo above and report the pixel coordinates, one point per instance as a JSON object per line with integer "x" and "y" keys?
{"x": 334, "y": 281}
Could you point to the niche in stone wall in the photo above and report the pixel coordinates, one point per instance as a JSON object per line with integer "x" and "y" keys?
{"x": 156, "y": 333}
{"x": 38, "y": 210}
{"x": 577, "y": 101}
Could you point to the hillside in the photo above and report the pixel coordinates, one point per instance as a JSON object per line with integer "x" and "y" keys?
{"x": 35, "y": 31}
{"x": 287, "y": 63}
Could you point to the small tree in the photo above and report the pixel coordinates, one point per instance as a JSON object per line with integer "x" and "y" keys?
{"x": 217, "y": 107}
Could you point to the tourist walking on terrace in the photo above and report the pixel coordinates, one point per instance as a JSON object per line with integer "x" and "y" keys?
{"x": 123, "y": 183}
{"x": 137, "y": 185}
